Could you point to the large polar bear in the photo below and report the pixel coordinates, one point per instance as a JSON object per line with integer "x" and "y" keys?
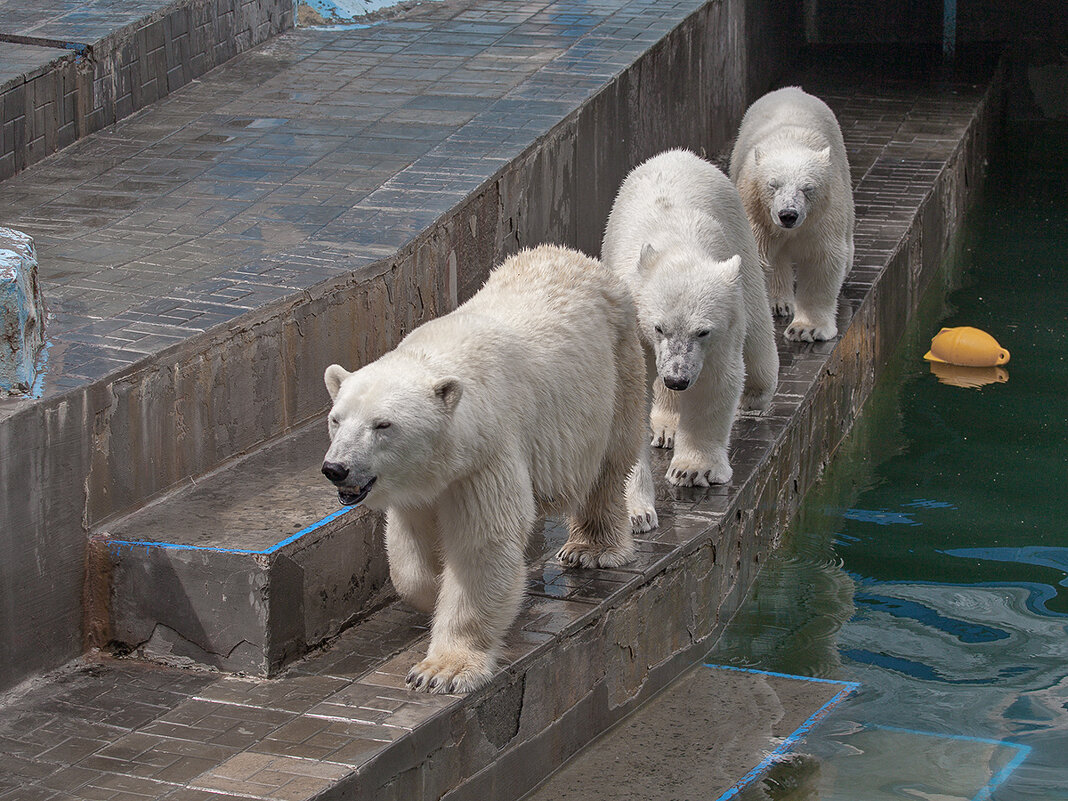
{"x": 679, "y": 237}
{"x": 528, "y": 396}
{"x": 790, "y": 166}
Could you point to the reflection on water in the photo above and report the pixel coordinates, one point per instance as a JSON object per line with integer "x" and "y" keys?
{"x": 931, "y": 564}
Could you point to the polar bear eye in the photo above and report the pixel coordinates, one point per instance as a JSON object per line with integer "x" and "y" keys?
{"x": 382, "y": 424}
{"x": 704, "y": 332}
{"x": 808, "y": 189}
{"x": 658, "y": 329}
{"x": 774, "y": 185}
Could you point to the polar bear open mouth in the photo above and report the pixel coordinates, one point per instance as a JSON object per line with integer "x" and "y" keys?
{"x": 349, "y": 498}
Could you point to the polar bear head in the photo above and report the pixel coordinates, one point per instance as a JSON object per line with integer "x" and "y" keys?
{"x": 792, "y": 182}
{"x": 388, "y": 429}
{"x": 687, "y": 304}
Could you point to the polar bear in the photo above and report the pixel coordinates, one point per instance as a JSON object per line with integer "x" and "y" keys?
{"x": 528, "y": 396}
{"x": 678, "y": 236}
{"x": 789, "y": 163}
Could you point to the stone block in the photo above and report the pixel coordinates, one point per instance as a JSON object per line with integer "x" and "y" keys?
{"x": 21, "y": 313}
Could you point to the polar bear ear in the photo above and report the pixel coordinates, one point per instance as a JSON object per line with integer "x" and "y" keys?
{"x": 333, "y": 377}
{"x": 449, "y": 391}
{"x": 732, "y": 268}
{"x": 824, "y": 155}
{"x": 648, "y": 255}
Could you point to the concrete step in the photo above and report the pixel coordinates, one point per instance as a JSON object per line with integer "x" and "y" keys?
{"x": 68, "y": 68}
{"x": 242, "y": 570}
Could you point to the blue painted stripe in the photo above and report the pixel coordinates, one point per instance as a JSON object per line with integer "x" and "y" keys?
{"x": 853, "y": 684}
{"x": 292, "y": 538}
{"x": 1022, "y": 752}
{"x": 848, "y": 687}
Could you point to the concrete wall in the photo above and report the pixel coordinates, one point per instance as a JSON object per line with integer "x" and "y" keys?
{"x": 95, "y": 452}
{"x": 93, "y": 84}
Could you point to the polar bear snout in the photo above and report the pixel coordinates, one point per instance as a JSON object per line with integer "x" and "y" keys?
{"x": 788, "y": 218}
{"x": 335, "y": 471}
{"x": 676, "y": 383}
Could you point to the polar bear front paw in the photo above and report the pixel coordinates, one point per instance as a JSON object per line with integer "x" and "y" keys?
{"x": 587, "y": 554}
{"x": 453, "y": 673}
{"x": 782, "y": 307}
{"x": 643, "y": 520}
{"x": 663, "y": 425}
{"x": 803, "y": 331}
{"x": 685, "y": 472}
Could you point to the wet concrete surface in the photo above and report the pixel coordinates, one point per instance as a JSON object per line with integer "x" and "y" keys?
{"x": 692, "y": 742}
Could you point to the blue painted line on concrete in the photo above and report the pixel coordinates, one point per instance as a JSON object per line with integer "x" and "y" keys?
{"x": 848, "y": 687}
{"x": 292, "y": 538}
{"x": 1022, "y": 752}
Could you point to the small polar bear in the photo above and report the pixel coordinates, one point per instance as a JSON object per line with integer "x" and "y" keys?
{"x": 528, "y": 396}
{"x": 678, "y": 236}
{"x": 789, "y": 163}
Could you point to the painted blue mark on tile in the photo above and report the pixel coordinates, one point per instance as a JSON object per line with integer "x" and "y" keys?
{"x": 179, "y": 547}
{"x": 847, "y": 688}
{"x": 998, "y": 778}
{"x": 880, "y": 517}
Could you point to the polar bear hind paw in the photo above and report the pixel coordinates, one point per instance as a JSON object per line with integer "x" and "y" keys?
{"x": 453, "y": 674}
{"x": 682, "y": 473}
{"x": 586, "y": 554}
{"x": 799, "y": 331}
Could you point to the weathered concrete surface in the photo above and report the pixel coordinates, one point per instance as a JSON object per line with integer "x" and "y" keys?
{"x": 693, "y": 742}
{"x": 244, "y": 570}
{"x": 71, "y": 68}
{"x": 170, "y": 389}
{"x": 22, "y": 313}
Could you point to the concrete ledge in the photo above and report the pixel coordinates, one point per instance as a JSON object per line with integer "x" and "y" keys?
{"x": 244, "y": 571}
{"x": 70, "y": 72}
{"x": 22, "y": 313}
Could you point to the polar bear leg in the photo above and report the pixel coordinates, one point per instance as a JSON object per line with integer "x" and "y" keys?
{"x": 818, "y": 284}
{"x": 781, "y": 284}
{"x": 641, "y": 495}
{"x": 483, "y": 534}
{"x": 599, "y": 533}
{"x": 761, "y": 358}
{"x": 664, "y": 417}
{"x": 411, "y": 547}
{"x": 705, "y": 419}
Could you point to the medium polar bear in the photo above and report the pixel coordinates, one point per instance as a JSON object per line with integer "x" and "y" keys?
{"x": 527, "y": 396}
{"x": 790, "y": 166}
{"x": 679, "y": 238}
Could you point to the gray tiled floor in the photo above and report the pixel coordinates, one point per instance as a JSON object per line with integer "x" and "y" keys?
{"x": 341, "y": 144}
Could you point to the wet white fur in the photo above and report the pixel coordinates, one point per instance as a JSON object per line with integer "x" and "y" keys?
{"x": 790, "y": 141}
{"x": 528, "y": 396}
{"x": 679, "y": 237}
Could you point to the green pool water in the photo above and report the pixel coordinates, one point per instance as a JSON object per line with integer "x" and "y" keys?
{"x": 930, "y": 563}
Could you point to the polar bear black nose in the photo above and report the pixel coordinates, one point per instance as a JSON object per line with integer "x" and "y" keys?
{"x": 335, "y": 471}
{"x": 788, "y": 217}
{"x": 677, "y": 384}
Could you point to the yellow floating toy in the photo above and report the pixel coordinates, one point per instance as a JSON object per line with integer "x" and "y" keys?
{"x": 967, "y": 347}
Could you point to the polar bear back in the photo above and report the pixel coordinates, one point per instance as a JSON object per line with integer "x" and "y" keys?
{"x": 671, "y": 191}
{"x": 542, "y": 350}
{"x": 793, "y": 114}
